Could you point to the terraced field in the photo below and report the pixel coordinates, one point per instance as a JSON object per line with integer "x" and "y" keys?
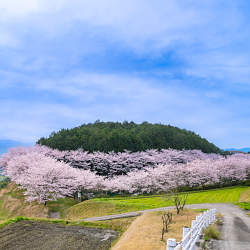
{"x": 38, "y": 235}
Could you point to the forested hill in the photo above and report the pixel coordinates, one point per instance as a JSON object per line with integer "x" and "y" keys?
{"x": 115, "y": 136}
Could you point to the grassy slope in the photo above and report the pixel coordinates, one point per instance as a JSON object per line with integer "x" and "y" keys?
{"x": 61, "y": 205}
{"x": 244, "y": 201}
{"x": 13, "y": 204}
{"x": 105, "y": 206}
{"x": 13, "y": 208}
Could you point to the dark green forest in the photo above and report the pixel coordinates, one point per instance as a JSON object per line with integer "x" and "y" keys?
{"x": 116, "y": 136}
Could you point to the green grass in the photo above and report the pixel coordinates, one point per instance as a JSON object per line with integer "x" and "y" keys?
{"x": 71, "y": 210}
{"x": 2, "y": 178}
{"x": 61, "y": 205}
{"x": 115, "y": 205}
{"x": 3, "y": 212}
{"x": 212, "y": 232}
{"x": 14, "y": 220}
{"x": 225, "y": 195}
{"x": 243, "y": 205}
{"x": 244, "y": 201}
{"x": 3, "y": 181}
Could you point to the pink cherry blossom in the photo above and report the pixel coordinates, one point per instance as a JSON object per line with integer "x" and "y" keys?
{"x": 48, "y": 174}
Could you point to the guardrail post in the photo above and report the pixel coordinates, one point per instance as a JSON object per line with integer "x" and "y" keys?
{"x": 214, "y": 214}
{"x": 207, "y": 218}
{"x": 198, "y": 218}
{"x": 171, "y": 244}
{"x": 194, "y": 228}
{"x": 193, "y": 223}
{"x": 211, "y": 217}
{"x": 185, "y": 231}
{"x": 191, "y": 235}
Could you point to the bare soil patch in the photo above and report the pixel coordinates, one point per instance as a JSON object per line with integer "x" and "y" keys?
{"x": 43, "y": 236}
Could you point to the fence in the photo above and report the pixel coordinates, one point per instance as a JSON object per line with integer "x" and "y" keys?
{"x": 192, "y": 235}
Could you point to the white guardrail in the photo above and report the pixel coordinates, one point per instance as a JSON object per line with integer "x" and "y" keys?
{"x": 192, "y": 235}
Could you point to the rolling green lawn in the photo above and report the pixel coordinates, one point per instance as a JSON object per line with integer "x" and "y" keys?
{"x": 225, "y": 195}
{"x": 105, "y": 206}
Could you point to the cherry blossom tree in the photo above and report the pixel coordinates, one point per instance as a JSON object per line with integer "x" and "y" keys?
{"x": 48, "y": 174}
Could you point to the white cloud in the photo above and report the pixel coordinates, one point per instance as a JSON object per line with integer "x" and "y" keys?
{"x": 18, "y": 8}
{"x": 197, "y": 32}
{"x": 41, "y": 41}
{"x": 91, "y": 96}
{"x": 140, "y": 24}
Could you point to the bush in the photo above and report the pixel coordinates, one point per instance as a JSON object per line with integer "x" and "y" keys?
{"x": 211, "y": 233}
{"x": 4, "y": 182}
{"x": 244, "y": 205}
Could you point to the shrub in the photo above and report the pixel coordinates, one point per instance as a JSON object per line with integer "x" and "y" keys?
{"x": 211, "y": 232}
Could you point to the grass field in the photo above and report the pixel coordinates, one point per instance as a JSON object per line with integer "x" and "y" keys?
{"x": 12, "y": 203}
{"x": 105, "y": 206}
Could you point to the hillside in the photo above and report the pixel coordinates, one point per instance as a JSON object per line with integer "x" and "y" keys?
{"x": 115, "y": 136}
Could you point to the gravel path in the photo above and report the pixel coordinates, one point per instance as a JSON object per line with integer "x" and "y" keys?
{"x": 235, "y": 231}
{"x": 236, "y": 227}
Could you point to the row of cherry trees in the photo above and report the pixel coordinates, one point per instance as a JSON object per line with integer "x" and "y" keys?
{"x": 112, "y": 164}
{"x": 45, "y": 178}
{"x": 48, "y": 174}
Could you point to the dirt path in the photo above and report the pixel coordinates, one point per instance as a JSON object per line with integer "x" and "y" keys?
{"x": 235, "y": 231}
{"x": 145, "y": 232}
{"x": 136, "y": 237}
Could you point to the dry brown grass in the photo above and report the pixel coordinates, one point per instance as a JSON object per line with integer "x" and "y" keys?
{"x": 245, "y": 196}
{"x": 13, "y": 204}
{"x": 15, "y": 207}
{"x": 145, "y": 232}
{"x": 212, "y": 232}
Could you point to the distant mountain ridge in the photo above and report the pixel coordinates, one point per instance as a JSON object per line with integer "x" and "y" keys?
{"x": 6, "y": 144}
{"x": 246, "y": 150}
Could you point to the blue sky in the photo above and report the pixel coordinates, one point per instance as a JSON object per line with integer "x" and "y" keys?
{"x": 184, "y": 63}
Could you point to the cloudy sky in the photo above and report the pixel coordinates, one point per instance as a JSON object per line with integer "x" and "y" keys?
{"x": 179, "y": 62}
